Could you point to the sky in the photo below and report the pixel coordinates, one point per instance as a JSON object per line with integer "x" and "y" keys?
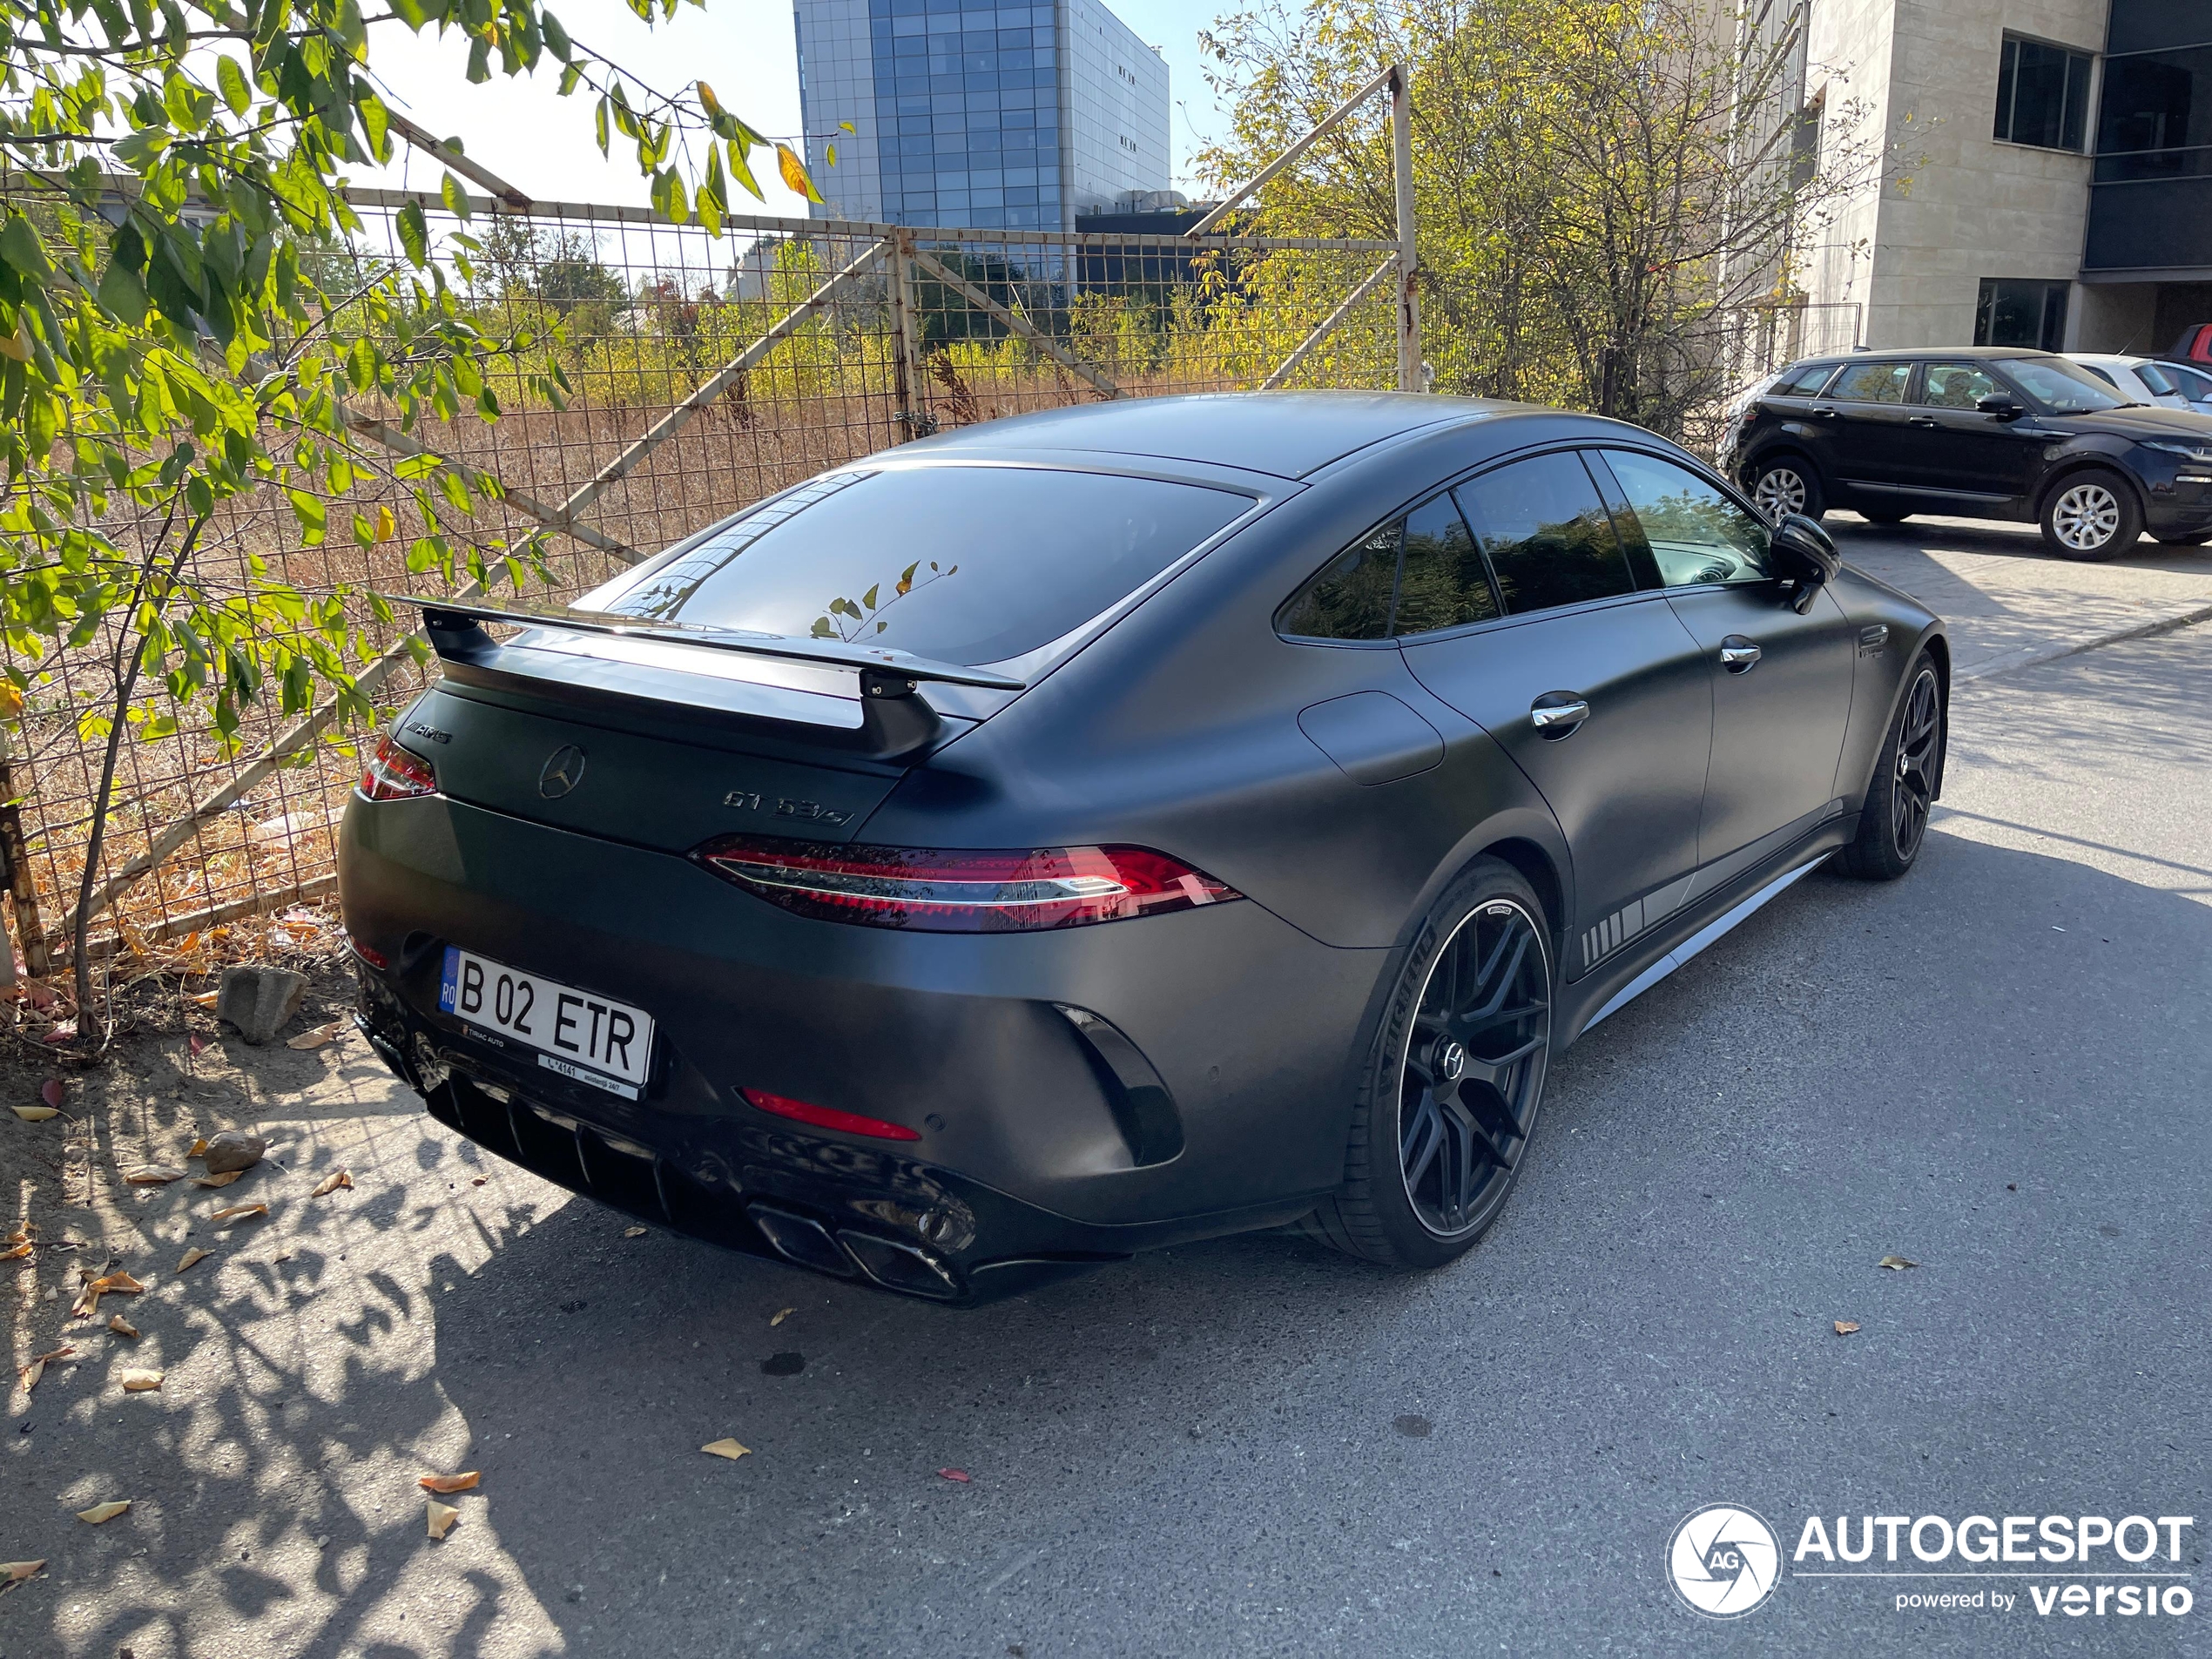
{"x": 543, "y": 144}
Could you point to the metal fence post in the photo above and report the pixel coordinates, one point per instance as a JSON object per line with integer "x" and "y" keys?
{"x": 911, "y": 388}
{"x": 1410, "y": 378}
{"x": 15, "y": 868}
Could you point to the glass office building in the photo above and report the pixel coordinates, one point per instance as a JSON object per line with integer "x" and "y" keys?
{"x": 974, "y": 112}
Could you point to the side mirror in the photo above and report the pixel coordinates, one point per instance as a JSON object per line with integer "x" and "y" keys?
{"x": 1804, "y": 554}
{"x": 2002, "y": 406}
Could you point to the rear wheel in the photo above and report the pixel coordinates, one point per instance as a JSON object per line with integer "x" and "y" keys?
{"x": 1453, "y": 1081}
{"x": 1894, "y": 821}
{"x": 2092, "y": 515}
{"x": 1786, "y": 484}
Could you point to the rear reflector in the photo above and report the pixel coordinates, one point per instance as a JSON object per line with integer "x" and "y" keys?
{"x": 373, "y": 957}
{"x": 803, "y": 1111}
{"x": 958, "y": 891}
{"x": 394, "y": 774}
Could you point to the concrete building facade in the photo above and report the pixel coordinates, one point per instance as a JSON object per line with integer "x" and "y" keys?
{"x": 973, "y": 112}
{"x": 2047, "y": 169}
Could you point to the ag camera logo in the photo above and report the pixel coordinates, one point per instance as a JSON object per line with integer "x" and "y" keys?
{"x": 1724, "y": 1561}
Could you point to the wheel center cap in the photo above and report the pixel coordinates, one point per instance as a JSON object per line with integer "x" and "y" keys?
{"x": 1451, "y": 1061}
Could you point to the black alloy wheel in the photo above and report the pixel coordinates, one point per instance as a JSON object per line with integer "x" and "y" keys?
{"x": 1894, "y": 820}
{"x": 1456, "y": 1080}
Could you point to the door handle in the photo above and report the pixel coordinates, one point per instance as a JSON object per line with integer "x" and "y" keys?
{"x": 1828, "y": 414}
{"x": 1739, "y": 655}
{"x": 1558, "y": 714}
{"x": 1925, "y": 420}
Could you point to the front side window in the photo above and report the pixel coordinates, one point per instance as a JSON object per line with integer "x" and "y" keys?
{"x": 963, "y": 564}
{"x": 1697, "y": 535}
{"x": 1959, "y": 386}
{"x": 1872, "y": 383}
{"x": 1546, "y": 534}
{"x": 2010, "y": 312}
{"x": 2192, "y": 384}
{"x": 2062, "y": 387}
{"x": 2042, "y": 94}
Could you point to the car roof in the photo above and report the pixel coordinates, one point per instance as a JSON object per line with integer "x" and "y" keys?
{"x": 1914, "y": 354}
{"x": 2125, "y": 359}
{"x": 1289, "y": 434}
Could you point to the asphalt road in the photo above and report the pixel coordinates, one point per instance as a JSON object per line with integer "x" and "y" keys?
{"x": 1998, "y": 1069}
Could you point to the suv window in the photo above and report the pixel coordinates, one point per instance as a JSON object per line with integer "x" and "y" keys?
{"x": 2192, "y": 384}
{"x": 1872, "y": 383}
{"x": 1350, "y": 598}
{"x": 1804, "y": 382}
{"x": 1443, "y": 582}
{"x": 965, "y": 564}
{"x": 1959, "y": 386}
{"x": 1546, "y": 532}
{"x": 1696, "y": 534}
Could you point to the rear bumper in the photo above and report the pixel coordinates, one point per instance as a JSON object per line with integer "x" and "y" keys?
{"x": 1224, "y": 1108}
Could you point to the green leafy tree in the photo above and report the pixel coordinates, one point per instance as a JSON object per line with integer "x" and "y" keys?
{"x": 183, "y": 324}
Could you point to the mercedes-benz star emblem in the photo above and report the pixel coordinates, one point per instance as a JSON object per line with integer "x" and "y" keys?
{"x": 1451, "y": 1061}
{"x": 564, "y": 771}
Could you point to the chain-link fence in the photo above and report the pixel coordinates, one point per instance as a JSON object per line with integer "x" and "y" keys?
{"x": 705, "y": 374}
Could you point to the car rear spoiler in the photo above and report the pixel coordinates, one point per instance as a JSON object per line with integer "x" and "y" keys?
{"x": 894, "y": 718}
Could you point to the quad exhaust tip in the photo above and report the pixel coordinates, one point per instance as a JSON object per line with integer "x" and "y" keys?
{"x": 891, "y": 1263}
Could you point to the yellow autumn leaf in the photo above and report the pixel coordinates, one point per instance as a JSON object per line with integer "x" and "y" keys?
{"x": 37, "y": 1114}
{"x": 441, "y": 1517}
{"x": 708, "y": 101}
{"x": 387, "y": 526}
{"x": 222, "y": 1180}
{"x": 122, "y": 1327}
{"x": 729, "y": 1449}
{"x": 138, "y": 1382}
{"x": 332, "y": 1181}
{"x": 322, "y": 1037}
{"x": 205, "y": 1000}
{"x": 16, "y": 1572}
{"x": 239, "y": 1210}
{"x": 794, "y": 173}
{"x": 31, "y": 1373}
{"x": 198, "y": 1147}
{"x": 195, "y": 1254}
{"x": 10, "y": 706}
{"x": 17, "y": 1253}
{"x": 100, "y": 1514}
{"x": 781, "y": 1315}
{"x": 152, "y": 1175}
{"x": 1844, "y": 1327}
{"x": 449, "y": 1482}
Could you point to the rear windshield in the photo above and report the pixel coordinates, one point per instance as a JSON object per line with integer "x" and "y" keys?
{"x": 963, "y": 564}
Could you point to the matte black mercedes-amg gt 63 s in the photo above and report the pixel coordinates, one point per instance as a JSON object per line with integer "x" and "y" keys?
{"x": 1119, "y": 826}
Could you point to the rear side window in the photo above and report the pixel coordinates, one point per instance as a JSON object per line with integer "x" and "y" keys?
{"x": 1546, "y": 533}
{"x": 1804, "y": 381}
{"x": 1350, "y": 598}
{"x": 1872, "y": 383}
{"x": 963, "y": 564}
{"x": 2189, "y": 382}
{"x": 1443, "y": 583}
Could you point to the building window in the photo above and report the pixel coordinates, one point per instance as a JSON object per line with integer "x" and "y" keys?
{"x": 2042, "y": 95}
{"x": 2020, "y": 314}
{"x": 1804, "y": 143}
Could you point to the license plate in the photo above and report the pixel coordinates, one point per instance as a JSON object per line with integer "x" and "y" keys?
{"x": 581, "y": 1035}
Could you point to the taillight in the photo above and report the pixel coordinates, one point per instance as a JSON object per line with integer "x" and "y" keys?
{"x": 804, "y": 1111}
{"x": 394, "y": 774}
{"x": 961, "y": 892}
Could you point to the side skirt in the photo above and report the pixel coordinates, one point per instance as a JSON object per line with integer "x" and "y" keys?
{"x": 1697, "y": 941}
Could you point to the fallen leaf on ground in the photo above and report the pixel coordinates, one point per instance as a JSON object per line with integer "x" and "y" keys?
{"x": 17, "y": 1253}
{"x": 239, "y": 1209}
{"x": 122, "y": 1327}
{"x": 206, "y": 998}
{"x": 782, "y": 1314}
{"x": 222, "y": 1180}
{"x": 89, "y": 1302}
{"x": 100, "y": 1514}
{"x": 1896, "y": 1262}
{"x": 37, "y": 1368}
{"x": 152, "y": 1175}
{"x": 16, "y": 1572}
{"x": 65, "y": 1031}
{"x": 961, "y": 1475}
{"x": 195, "y": 1254}
{"x": 1844, "y": 1327}
{"x": 50, "y": 1092}
{"x": 332, "y": 1181}
{"x": 633, "y": 1232}
{"x": 198, "y": 1147}
{"x": 442, "y": 1515}
{"x": 28, "y": 1231}
{"x": 199, "y": 1043}
{"x": 322, "y": 1037}
{"x": 478, "y": 1180}
{"x": 729, "y": 1449}
{"x": 36, "y": 1114}
{"x": 448, "y": 1482}
{"x": 136, "y": 1382}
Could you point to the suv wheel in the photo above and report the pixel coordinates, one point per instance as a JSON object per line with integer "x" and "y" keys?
{"x": 1783, "y": 485}
{"x": 2092, "y": 515}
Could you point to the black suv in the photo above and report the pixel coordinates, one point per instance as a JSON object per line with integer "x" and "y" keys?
{"x": 1980, "y": 431}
